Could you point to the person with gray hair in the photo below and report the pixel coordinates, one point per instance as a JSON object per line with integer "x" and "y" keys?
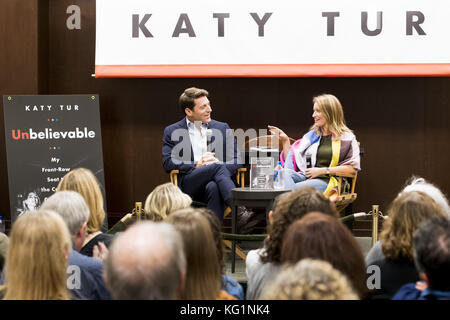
{"x": 146, "y": 262}
{"x": 73, "y": 209}
{"x": 420, "y": 184}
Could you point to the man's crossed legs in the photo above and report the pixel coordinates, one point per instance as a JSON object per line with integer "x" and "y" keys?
{"x": 211, "y": 184}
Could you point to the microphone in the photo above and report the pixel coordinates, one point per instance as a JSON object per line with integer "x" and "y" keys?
{"x": 308, "y": 160}
{"x": 209, "y": 134}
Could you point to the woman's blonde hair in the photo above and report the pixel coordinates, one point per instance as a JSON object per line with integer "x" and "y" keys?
{"x": 36, "y": 261}
{"x": 310, "y": 279}
{"x": 165, "y": 199}
{"x": 332, "y": 110}
{"x": 84, "y": 182}
{"x": 406, "y": 213}
{"x": 203, "y": 276}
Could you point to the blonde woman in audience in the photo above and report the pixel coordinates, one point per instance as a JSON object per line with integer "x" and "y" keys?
{"x": 163, "y": 200}
{"x": 310, "y": 279}
{"x": 397, "y": 268}
{"x": 84, "y": 182}
{"x": 203, "y": 277}
{"x": 36, "y": 261}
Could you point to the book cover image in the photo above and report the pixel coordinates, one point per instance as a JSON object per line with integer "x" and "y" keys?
{"x": 261, "y": 173}
{"x": 47, "y": 136}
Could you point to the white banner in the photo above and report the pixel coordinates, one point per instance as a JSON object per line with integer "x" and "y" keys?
{"x": 229, "y": 38}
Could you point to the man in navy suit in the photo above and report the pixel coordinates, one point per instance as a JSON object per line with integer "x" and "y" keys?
{"x": 203, "y": 150}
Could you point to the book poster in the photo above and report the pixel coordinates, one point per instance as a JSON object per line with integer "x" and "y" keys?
{"x": 46, "y": 137}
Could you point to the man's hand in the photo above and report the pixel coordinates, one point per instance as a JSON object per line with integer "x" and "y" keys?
{"x": 421, "y": 285}
{"x": 206, "y": 159}
{"x": 312, "y": 173}
{"x": 100, "y": 252}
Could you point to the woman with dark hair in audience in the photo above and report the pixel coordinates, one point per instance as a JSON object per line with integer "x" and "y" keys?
{"x": 203, "y": 275}
{"x": 397, "y": 268}
{"x": 330, "y": 147}
{"x": 84, "y": 182}
{"x": 320, "y": 236}
{"x": 263, "y": 265}
{"x": 228, "y": 283}
{"x": 36, "y": 263}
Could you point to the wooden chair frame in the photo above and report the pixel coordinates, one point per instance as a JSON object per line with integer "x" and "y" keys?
{"x": 345, "y": 197}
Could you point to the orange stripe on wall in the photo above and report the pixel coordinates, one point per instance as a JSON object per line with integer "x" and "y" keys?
{"x": 272, "y": 70}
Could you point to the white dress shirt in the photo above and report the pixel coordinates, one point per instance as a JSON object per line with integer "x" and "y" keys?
{"x": 197, "y": 134}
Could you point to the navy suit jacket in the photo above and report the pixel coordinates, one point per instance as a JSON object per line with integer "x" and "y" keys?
{"x": 227, "y": 153}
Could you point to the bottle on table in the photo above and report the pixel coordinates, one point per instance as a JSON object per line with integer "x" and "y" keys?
{"x": 278, "y": 176}
{"x": 2, "y": 225}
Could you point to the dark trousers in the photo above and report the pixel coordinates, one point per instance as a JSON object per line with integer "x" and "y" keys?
{"x": 211, "y": 184}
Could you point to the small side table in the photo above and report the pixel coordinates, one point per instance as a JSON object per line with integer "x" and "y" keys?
{"x": 250, "y": 198}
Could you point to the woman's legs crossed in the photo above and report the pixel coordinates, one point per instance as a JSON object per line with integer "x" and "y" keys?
{"x": 295, "y": 180}
{"x": 315, "y": 183}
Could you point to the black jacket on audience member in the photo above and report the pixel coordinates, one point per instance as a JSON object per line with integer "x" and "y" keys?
{"x": 394, "y": 274}
{"x": 106, "y": 238}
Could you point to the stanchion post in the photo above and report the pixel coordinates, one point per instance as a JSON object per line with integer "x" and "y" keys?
{"x": 138, "y": 208}
{"x": 374, "y": 223}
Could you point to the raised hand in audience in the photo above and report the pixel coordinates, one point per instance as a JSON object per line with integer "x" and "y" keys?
{"x": 421, "y": 285}
{"x": 100, "y": 252}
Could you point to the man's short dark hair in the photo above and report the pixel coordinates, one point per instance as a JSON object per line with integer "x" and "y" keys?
{"x": 187, "y": 98}
{"x": 431, "y": 244}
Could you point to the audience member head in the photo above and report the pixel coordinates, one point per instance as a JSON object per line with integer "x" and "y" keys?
{"x": 163, "y": 200}
{"x": 406, "y": 213}
{"x": 187, "y": 98}
{"x": 74, "y": 211}
{"x": 146, "y": 262}
{"x": 36, "y": 262}
{"x": 420, "y": 184}
{"x": 216, "y": 228}
{"x": 203, "y": 276}
{"x": 310, "y": 279}
{"x": 323, "y": 237}
{"x": 84, "y": 182}
{"x": 291, "y": 207}
{"x": 431, "y": 244}
{"x": 276, "y": 201}
{"x": 330, "y": 107}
